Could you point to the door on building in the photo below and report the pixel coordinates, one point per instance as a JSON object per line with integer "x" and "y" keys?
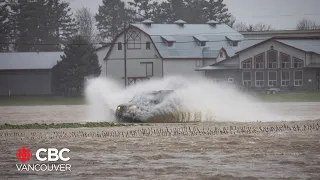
{"x": 318, "y": 80}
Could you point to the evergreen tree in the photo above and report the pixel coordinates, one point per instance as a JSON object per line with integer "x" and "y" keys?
{"x": 202, "y": 11}
{"x": 216, "y": 10}
{"x": 172, "y": 10}
{"x": 61, "y": 20}
{"x": 78, "y": 62}
{"x": 4, "y": 26}
{"x": 41, "y": 25}
{"x": 145, "y": 9}
{"x": 112, "y": 17}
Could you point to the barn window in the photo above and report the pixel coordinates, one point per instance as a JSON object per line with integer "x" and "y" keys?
{"x": 259, "y": 61}
{"x": 285, "y": 78}
{"x": 246, "y": 64}
{"x": 259, "y": 79}
{"x": 297, "y": 63}
{"x": 170, "y": 43}
{"x": 272, "y": 78}
{"x": 272, "y": 59}
{"x": 285, "y": 60}
{"x": 246, "y": 79}
{"x": 149, "y": 68}
{"x": 119, "y": 46}
{"x": 198, "y": 63}
{"x": 298, "y": 78}
{"x": 147, "y": 45}
{"x": 134, "y": 40}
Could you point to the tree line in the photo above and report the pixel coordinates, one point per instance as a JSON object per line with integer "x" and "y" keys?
{"x": 48, "y": 25}
{"x": 51, "y": 25}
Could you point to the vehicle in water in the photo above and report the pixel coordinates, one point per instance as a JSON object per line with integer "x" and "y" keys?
{"x": 147, "y": 107}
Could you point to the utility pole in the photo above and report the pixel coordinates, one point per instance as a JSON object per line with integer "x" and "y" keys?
{"x": 125, "y": 54}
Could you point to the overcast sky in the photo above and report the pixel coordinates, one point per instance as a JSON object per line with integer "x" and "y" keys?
{"x": 281, "y": 14}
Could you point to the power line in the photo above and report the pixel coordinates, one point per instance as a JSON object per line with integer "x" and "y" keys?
{"x": 179, "y": 42}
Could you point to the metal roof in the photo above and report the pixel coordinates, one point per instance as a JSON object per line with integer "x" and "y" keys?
{"x": 185, "y": 45}
{"x": 313, "y": 65}
{"x": 200, "y": 38}
{"x": 234, "y": 38}
{"x": 29, "y": 60}
{"x": 147, "y": 21}
{"x": 208, "y": 68}
{"x": 308, "y": 45}
{"x": 180, "y": 21}
{"x": 169, "y": 38}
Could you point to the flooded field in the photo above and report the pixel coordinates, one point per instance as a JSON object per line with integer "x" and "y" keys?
{"x": 78, "y": 113}
{"x": 210, "y": 150}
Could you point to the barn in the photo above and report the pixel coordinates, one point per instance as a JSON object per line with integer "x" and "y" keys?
{"x": 27, "y": 73}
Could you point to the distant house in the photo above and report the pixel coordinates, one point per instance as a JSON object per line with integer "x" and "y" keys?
{"x": 27, "y": 73}
{"x": 282, "y": 62}
{"x": 161, "y": 50}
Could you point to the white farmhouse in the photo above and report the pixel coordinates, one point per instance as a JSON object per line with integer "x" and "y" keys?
{"x": 160, "y": 50}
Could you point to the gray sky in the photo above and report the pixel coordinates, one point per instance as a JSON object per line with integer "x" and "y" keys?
{"x": 281, "y": 14}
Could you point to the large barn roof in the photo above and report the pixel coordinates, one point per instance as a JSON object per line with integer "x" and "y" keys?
{"x": 186, "y": 39}
{"x": 29, "y": 60}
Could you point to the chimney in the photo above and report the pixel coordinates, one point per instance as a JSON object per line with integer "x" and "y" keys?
{"x": 147, "y": 22}
{"x": 213, "y": 23}
{"x": 180, "y": 22}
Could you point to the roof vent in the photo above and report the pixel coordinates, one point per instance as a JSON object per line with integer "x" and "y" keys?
{"x": 147, "y": 22}
{"x": 180, "y": 22}
{"x": 213, "y": 23}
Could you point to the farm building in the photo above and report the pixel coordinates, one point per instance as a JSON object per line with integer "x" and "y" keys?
{"x": 216, "y": 51}
{"x": 160, "y": 50}
{"x": 27, "y": 73}
{"x": 291, "y": 63}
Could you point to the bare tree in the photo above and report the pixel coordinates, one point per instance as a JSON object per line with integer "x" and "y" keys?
{"x": 306, "y": 24}
{"x": 241, "y": 26}
{"x": 262, "y": 27}
{"x": 85, "y": 21}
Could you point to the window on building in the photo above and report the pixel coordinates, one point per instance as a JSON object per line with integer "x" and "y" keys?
{"x": 149, "y": 68}
{"x": 272, "y": 59}
{"x": 272, "y": 78}
{"x": 246, "y": 79}
{"x": 297, "y": 63}
{"x": 298, "y": 78}
{"x": 221, "y": 54}
{"x": 246, "y": 64}
{"x": 170, "y": 43}
{"x": 134, "y": 39}
{"x": 119, "y": 46}
{"x": 148, "y": 45}
{"x": 285, "y": 78}
{"x": 198, "y": 63}
{"x": 259, "y": 61}
{"x": 259, "y": 79}
{"x": 203, "y": 43}
{"x": 233, "y": 43}
{"x": 285, "y": 60}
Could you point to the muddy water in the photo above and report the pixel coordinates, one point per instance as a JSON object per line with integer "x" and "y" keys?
{"x": 56, "y": 114}
{"x": 285, "y": 154}
{"x": 196, "y": 151}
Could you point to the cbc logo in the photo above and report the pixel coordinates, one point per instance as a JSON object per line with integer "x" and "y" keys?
{"x": 52, "y": 154}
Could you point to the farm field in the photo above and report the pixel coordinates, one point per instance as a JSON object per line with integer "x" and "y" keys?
{"x": 209, "y": 150}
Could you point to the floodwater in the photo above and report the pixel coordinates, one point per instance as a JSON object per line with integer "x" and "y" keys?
{"x": 77, "y": 113}
{"x": 211, "y": 150}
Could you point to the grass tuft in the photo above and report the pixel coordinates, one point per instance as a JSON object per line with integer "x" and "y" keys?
{"x": 62, "y": 125}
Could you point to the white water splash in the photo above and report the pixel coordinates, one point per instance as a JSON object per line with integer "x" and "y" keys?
{"x": 223, "y": 101}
